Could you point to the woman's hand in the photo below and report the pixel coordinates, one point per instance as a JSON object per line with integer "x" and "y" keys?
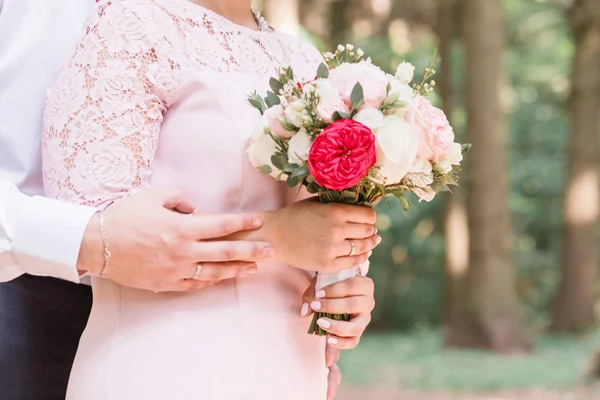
{"x": 353, "y": 296}
{"x": 322, "y": 237}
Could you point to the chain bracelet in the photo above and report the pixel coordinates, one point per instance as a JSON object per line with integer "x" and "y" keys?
{"x": 104, "y": 243}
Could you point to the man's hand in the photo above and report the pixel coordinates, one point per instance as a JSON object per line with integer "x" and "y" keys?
{"x": 156, "y": 242}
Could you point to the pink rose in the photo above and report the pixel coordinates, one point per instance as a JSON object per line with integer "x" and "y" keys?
{"x": 341, "y": 156}
{"x": 330, "y": 100}
{"x": 371, "y": 77}
{"x": 275, "y": 116}
{"x": 436, "y": 135}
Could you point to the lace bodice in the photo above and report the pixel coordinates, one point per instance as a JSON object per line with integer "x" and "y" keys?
{"x": 135, "y": 60}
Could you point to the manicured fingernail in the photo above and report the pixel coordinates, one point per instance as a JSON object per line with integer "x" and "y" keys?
{"x": 323, "y": 323}
{"x": 320, "y": 294}
{"x": 378, "y": 240}
{"x": 376, "y": 230}
{"x": 251, "y": 270}
{"x": 269, "y": 251}
{"x": 315, "y": 305}
{"x": 332, "y": 340}
{"x": 304, "y": 310}
{"x": 257, "y": 223}
{"x": 370, "y": 253}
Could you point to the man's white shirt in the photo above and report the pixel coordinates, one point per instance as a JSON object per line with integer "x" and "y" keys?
{"x": 38, "y": 236}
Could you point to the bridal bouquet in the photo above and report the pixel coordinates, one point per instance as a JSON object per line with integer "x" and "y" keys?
{"x": 355, "y": 135}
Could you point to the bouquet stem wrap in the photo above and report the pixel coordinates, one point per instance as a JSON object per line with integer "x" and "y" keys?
{"x": 328, "y": 279}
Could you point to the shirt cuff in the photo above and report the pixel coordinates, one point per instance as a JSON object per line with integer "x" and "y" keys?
{"x": 48, "y": 237}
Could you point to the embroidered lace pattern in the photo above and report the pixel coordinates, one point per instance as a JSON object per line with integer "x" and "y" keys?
{"x": 103, "y": 117}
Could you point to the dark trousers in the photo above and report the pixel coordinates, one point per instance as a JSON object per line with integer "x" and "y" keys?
{"x": 41, "y": 321}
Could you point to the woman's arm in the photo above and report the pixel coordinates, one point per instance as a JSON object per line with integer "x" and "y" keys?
{"x": 101, "y": 128}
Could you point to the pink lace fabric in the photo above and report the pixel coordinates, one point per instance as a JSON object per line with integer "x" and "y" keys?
{"x": 103, "y": 117}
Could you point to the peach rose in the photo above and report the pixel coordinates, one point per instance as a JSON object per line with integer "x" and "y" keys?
{"x": 371, "y": 77}
{"x": 436, "y": 136}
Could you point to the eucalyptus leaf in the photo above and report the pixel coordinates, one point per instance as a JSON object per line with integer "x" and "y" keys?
{"x": 273, "y": 99}
{"x": 312, "y": 188}
{"x": 279, "y": 160}
{"x": 292, "y": 182}
{"x": 323, "y": 71}
{"x": 257, "y": 104}
{"x": 276, "y": 85}
{"x": 466, "y": 147}
{"x": 300, "y": 172}
{"x": 265, "y": 169}
{"x": 357, "y": 95}
{"x": 291, "y": 167}
{"x": 339, "y": 115}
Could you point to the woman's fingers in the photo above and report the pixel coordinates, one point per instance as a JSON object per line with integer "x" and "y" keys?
{"x": 332, "y": 355}
{"x": 307, "y": 298}
{"x": 361, "y": 246}
{"x": 342, "y": 263}
{"x": 343, "y": 343}
{"x": 216, "y": 272}
{"x": 359, "y": 231}
{"x": 357, "y": 286}
{"x": 333, "y": 381}
{"x": 345, "y": 335}
{"x": 358, "y": 214}
{"x": 348, "y": 305}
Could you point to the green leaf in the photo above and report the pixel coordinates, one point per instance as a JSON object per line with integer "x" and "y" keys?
{"x": 292, "y": 182}
{"x": 257, "y": 104}
{"x": 404, "y": 202}
{"x": 323, "y": 71}
{"x": 291, "y": 167}
{"x": 265, "y": 169}
{"x": 300, "y": 172}
{"x": 272, "y": 99}
{"x": 465, "y": 148}
{"x": 279, "y": 160}
{"x": 276, "y": 85}
{"x": 338, "y": 115}
{"x": 312, "y": 188}
{"x": 357, "y": 95}
{"x": 438, "y": 187}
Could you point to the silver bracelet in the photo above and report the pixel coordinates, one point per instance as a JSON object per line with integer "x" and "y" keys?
{"x": 104, "y": 243}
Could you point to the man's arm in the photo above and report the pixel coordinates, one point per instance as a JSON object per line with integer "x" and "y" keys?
{"x": 39, "y": 236}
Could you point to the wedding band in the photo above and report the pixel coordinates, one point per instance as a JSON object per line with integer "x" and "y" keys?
{"x": 352, "y": 249}
{"x": 199, "y": 268}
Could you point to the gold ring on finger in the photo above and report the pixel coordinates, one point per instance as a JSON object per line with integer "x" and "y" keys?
{"x": 352, "y": 248}
{"x": 198, "y": 271}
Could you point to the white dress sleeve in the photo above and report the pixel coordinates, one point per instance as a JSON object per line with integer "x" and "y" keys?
{"x": 39, "y": 236}
{"x": 103, "y": 117}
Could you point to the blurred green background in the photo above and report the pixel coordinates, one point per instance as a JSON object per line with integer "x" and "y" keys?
{"x": 515, "y": 314}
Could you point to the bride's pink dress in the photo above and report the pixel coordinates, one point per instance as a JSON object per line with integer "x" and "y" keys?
{"x": 156, "y": 95}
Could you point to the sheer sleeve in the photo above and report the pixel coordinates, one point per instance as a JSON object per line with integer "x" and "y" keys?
{"x": 103, "y": 117}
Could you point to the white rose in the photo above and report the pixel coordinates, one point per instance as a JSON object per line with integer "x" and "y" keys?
{"x": 261, "y": 148}
{"x": 453, "y": 157}
{"x": 400, "y": 92}
{"x": 370, "y": 117}
{"x": 405, "y": 72}
{"x": 397, "y": 146}
{"x": 299, "y": 147}
{"x": 294, "y": 113}
{"x": 421, "y": 177}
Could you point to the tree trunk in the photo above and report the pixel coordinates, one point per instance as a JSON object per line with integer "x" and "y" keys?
{"x": 455, "y": 213}
{"x": 489, "y": 316}
{"x": 284, "y": 15}
{"x": 574, "y": 307}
